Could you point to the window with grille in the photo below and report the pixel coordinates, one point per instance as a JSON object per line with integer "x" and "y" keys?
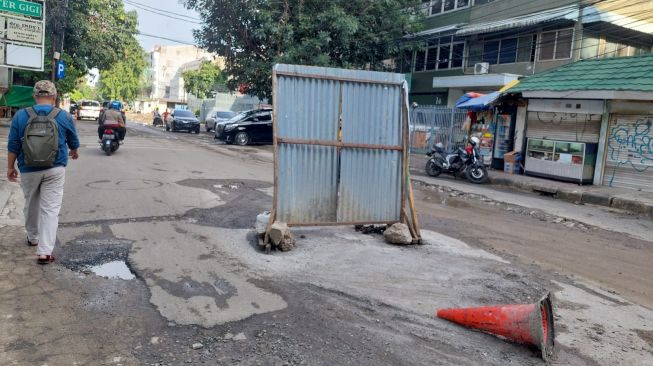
{"x": 503, "y": 51}
{"x": 556, "y": 45}
{"x": 435, "y": 7}
{"x": 441, "y": 54}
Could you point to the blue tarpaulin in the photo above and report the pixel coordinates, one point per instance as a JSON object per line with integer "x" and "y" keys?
{"x": 477, "y": 104}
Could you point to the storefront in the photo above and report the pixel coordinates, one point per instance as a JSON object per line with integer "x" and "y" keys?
{"x": 562, "y": 137}
{"x": 629, "y": 150}
{"x": 493, "y": 125}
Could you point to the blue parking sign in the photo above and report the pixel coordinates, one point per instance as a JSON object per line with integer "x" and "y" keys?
{"x": 61, "y": 70}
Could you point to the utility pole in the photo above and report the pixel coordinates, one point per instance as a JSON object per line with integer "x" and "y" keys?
{"x": 58, "y": 36}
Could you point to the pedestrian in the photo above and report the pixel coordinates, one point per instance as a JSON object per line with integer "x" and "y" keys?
{"x": 165, "y": 115}
{"x": 39, "y": 139}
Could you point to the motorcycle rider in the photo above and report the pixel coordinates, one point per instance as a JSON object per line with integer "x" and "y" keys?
{"x": 114, "y": 119}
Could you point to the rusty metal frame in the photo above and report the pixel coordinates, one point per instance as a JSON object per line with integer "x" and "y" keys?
{"x": 283, "y": 140}
{"x": 406, "y": 191}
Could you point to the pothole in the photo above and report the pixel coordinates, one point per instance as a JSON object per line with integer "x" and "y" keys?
{"x": 113, "y": 270}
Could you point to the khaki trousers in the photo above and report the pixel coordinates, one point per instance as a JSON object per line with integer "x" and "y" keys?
{"x": 43, "y": 196}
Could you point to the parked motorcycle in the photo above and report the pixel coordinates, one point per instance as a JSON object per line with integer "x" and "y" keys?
{"x": 462, "y": 162}
{"x": 109, "y": 142}
{"x": 158, "y": 121}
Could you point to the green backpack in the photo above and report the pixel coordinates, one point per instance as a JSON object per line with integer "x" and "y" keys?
{"x": 41, "y": 140}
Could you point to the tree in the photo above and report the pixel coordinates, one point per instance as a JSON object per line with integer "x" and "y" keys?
{"x": 84, "y": 91}
{"x": 204, "y": 80}
{"x": 123, "y": 80}
{"x": 94, "y": 34}
{"x": 253, "y": 35}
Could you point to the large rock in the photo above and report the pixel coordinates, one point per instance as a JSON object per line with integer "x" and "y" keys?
{"x": 281, "y": 237}
{"x": 398, "y": 234}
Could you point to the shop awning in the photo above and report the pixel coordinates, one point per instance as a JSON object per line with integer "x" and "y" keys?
{"x": 18, "y": 96}
{"x": 435, "y": 31}
{"x": 567, "y": 12}
{"x": 478, "y": 103}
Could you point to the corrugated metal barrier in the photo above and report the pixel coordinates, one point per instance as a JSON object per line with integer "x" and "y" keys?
{"x": 339, "y": 145}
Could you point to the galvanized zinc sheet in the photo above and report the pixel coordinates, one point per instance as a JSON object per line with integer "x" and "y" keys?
{"x": 370, "y": 179}
{"x": 341, "y": 183}
{"x": 306, "y": 188}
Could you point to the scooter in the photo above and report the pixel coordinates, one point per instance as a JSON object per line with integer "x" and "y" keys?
{"x": 462, "y": 162}
{"x": 109, "y": 142}
{"x": 158, "y": 121}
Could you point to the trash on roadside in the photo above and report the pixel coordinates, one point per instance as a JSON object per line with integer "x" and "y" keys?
{"x": 398, "y": 234}
{"x": 262, "y": 220}
{"x": 521, "y": 323}
{"x": 371, "y": 229}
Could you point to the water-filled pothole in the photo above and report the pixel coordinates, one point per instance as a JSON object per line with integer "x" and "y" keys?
{"x": 114, "y": 269}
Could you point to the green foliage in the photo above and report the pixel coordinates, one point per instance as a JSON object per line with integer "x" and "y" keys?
{"x": 253, "y": 35}
{"x": 202, "y": 81}
{"x": 83, "y": 91}
{"x": 96, "y": 34}
{"x": 123, "y": 80}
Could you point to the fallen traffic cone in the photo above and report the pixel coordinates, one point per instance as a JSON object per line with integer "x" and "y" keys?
{"x": 529, "y": 324}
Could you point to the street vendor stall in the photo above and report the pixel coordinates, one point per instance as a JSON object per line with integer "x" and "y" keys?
{"x": 493, "y": 125}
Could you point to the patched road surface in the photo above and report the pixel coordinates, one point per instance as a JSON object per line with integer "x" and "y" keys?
{"x": 158, "y": 265}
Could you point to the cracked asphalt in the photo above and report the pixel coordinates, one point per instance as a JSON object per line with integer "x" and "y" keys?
{"x": 178, "y": 210}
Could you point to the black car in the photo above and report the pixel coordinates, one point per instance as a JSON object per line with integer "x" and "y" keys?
{"x": 182, "y": 120}
{"x": 249, "y": 127}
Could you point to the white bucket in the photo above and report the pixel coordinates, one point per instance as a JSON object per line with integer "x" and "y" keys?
{"x": 262, "y": 220}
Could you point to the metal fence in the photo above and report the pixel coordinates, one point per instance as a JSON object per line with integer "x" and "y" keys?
{"x": 339, "y": 145}
{"x": 432, "y": 124}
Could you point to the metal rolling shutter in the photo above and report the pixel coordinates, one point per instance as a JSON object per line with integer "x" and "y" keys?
{"x": 629, "y": 152}
{"x": 579, "y": 127}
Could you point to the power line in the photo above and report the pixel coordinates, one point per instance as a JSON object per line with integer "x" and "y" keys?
{"x": 132, "y": 2}
{"x": 166, "y": 38}
{"x": 161, "y": 13}
{"x": 612, "y": 35}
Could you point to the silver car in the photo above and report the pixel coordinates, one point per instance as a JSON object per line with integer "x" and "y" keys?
{"x": 217, "y": 117}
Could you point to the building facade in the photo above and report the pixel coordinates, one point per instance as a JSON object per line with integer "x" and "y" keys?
{"x": 167, "y": 63}
{"x": 481, "y": 45}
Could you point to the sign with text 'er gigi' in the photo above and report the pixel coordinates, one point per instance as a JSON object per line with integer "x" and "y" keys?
{"x": 22, "y": 34}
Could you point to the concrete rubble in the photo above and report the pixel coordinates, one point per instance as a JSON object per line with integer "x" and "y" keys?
{"x": 281, "y": 237}
{"x": 398, "y": 234}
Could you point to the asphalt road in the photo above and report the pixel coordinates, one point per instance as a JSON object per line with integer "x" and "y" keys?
{"x": 178, "y": 209}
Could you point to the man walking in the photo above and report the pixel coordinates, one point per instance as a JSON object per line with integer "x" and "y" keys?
{"x": 39, "y": 139}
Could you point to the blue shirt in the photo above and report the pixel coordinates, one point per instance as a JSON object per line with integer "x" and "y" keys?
{"x": 67, "y": 136}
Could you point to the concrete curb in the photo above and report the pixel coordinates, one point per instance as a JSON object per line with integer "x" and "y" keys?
{"x": 597, "y": 198}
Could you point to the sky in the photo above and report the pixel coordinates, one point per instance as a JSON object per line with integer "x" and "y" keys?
{"x": 166, "y": 25}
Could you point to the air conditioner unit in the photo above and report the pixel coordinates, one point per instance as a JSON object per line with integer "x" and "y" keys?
{"x": 481, "y": 68}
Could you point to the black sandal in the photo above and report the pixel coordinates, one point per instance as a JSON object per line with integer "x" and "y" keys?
{"x": 29, "y": 243}
{"x": 46, "y": 260}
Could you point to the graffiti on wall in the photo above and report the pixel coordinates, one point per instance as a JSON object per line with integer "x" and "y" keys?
{"x": 631, "y": 145}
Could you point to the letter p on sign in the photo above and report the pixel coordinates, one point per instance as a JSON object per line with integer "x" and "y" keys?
{"x": 61, "y": 70}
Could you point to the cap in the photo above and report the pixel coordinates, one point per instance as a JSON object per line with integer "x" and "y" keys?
{"x": 45, "y": 88}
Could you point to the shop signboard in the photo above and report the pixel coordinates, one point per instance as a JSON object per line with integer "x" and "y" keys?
{"x": 22, "y": 34}
{"x": 24, "y": 31}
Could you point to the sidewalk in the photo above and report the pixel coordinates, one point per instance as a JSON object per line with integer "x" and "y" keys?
{"x": 639, "y": 203}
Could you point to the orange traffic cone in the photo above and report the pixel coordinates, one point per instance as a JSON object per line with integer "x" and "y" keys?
{"x": 529, "y": 324}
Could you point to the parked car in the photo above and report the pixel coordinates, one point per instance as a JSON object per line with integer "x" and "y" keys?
{"x": 88, "y": 109}
{"x": 246, "y": 128}
{"x": 216, "y": 117}
{"x": 181, "y": 119}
